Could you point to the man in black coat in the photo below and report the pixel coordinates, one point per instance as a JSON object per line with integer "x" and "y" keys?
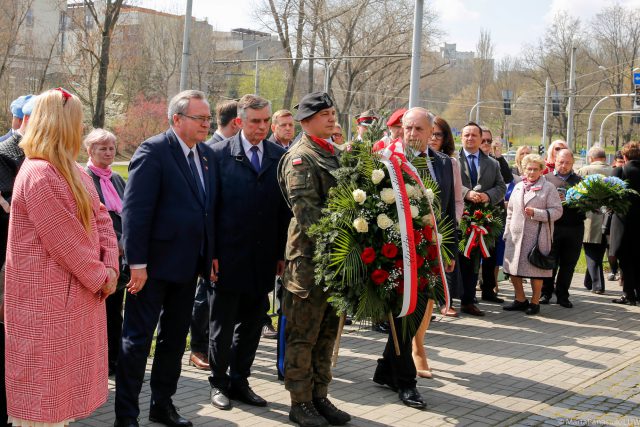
{"x": 251, "y": 224}
{"x": 567, "y": 233}
{"x": 399, "y": 372}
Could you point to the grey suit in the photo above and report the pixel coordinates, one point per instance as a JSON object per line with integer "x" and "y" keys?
{"x": 491, "y": 183}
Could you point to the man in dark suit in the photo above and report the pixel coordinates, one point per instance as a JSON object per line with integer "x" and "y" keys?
{"x": 226, "y": 113}
{"x": 481, "y": 183}
{"x": 251, "y": 225}
{"x": 399, "y": 372}
{"x": 168, "y": 214}
{"x": 283, "y": 128}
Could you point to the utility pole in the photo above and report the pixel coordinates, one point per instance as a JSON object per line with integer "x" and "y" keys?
{"x": 184, "y": 69}
{"x": 416, "y": 49}
{"x": 545, "y": 115}
{"x": 256, "y": 85}
{"x": 478, "y": 106}
{"x": 572, "y": 99}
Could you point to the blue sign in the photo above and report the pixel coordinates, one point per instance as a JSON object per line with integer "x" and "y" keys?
{"x": 636, "y": 78}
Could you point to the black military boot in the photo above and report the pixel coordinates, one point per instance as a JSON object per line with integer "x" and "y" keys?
{"x": 335, "y": 416}
{"x": 305, "y": 415}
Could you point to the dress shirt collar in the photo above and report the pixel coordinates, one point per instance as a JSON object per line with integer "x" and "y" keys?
{"x": 246, "y": 146}
{"x": 467, "y": 153}
{"x": 185, "y": 148}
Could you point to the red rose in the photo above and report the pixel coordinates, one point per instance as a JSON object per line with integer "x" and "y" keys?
{"x": 379, "y": 276}
{"x": 417, "y": 237}
{"x": 419, "y": 261}
{"x": 467, "y": 231}
{"x": 489, "y": 216}
{"x": 399, "y": 264}
{"x": 432, "y": 252}
{"x": 389, "y": 250}
{"x": 488, "y": 229}
{"x": 465, "y": 213}
{"x": 422, "y": 283}
{"x": 428, "y": 233}
{"x": 368, "y": 255}
{"x": 400, "y": 287}
{"x": 478, "y": 214}
{"x": 435, "y": 269}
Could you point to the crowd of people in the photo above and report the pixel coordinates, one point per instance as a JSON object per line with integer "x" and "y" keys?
{"x": 202, "y": 227}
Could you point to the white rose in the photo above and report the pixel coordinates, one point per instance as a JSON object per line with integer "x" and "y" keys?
{"x": 429, "y": 194}
{"x": 377, "y": 176}
{"x": 388, "y": 196}
{"x": 396, "y": 227}
{"x": 426, "y": 220}
{"x": 414, "y": 211}
{"x": 384, "y": 221}
{"x": 359, "y": 196}
{"x": 361, "y": 225}
{"x": 411, "y": 190}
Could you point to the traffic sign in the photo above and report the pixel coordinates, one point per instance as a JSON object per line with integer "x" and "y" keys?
{"x": 636, "y": 78}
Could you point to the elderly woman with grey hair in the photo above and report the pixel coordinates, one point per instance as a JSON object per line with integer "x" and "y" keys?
{"x": 533, "y": 207}
{"x": 101, "y": 147}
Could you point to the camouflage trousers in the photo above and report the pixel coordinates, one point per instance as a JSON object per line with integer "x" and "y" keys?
{"x": 312, "y": 326}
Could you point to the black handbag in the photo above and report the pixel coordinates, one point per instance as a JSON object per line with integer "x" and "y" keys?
{"x": 537, "y": 258}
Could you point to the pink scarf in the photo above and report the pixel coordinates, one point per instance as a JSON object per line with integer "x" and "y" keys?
{"x": 528, "y": 184}
{"x": 111, "y": 197}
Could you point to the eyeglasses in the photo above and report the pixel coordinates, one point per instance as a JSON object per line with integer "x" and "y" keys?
{"x": 65, "y": 95}
{"x": 201, "y": 119}
{"x": 337, "y": 135}
{"x": 437, "y": 135}
{"x": 487, "y": 141}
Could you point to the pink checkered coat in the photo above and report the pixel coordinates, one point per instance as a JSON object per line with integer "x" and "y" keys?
{"x": 55, "y": 323}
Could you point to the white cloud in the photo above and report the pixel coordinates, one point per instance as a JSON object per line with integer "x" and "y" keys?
{"x": 455, "y": 11}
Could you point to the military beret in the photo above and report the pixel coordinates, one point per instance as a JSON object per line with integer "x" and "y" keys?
{"x": 18, "y": 104}
{"x": 367, "y": 118}
{"x": 27, "y": 108}
{"x": 311, "y": 104}
{"x": 396, "y": 117}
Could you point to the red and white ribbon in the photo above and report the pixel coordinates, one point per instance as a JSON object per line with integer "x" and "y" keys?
{"x": 476, "y": 238}
{"x": 393, "y": 157}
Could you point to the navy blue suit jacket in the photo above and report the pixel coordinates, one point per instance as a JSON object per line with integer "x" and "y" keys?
{"x": 443, "y": 169}
{"x": 251, "y": 218}
{"x": 165, "y": 224}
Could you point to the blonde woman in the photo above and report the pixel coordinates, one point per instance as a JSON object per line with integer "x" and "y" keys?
{"x": 62, "y": 262}
{"x": 522, "y": 151}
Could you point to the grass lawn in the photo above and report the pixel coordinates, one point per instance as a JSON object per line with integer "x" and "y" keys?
{"x": 122, "y": 170}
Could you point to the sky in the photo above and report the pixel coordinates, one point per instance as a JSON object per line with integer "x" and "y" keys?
{"x": 512, "y": 23}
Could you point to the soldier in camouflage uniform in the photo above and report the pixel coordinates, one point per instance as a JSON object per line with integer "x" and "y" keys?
{"x": 305, "y": 178}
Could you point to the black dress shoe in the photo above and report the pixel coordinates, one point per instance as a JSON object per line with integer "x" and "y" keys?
{"x": 384, "y": 381}
{"x": 517, "y": 305}
{"x": 492, "y": 298}
{"x": 565, "y": 303}
{"x": 411, "y": 397}
{"x": 335, "y": 416}
{"x": 533, "y": 309}
{"x": 246, "y": 395}
{"x": 544, "y": 300}
{"x": 126, "y": 422}
{"x": 168, "y": 416}
{"x": 220, "y": 399}
{"x": 382, "y": 327}
{"x": 472, "y": 310}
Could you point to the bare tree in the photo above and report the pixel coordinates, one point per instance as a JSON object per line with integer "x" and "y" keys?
{"x": 12, "y": 16}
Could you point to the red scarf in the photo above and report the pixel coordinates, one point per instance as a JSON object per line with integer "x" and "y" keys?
{"x": 322, "y": 143}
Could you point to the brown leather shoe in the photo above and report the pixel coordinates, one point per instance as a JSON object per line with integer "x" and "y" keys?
{"x": 199, "y": 360}
{"x": 449, "y": 313}
{"x": 472, "y": 310}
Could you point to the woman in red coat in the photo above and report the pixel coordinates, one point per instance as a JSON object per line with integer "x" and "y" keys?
{"x": 62, "y": 262}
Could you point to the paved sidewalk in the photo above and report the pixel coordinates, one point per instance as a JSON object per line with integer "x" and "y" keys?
{"x": 579, "y": 366}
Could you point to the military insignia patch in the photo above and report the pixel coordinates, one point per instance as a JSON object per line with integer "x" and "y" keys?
{"x": 296, "y": 161}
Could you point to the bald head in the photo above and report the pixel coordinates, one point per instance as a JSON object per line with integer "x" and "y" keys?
{"x": 564, "y": 161}
{"x": 417, "y": 124}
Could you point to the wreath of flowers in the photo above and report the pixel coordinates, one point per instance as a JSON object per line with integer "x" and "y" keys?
{"x": 597, "y": 192}
{"x": 358, "y": 253}
{"x": 481, "y": 227}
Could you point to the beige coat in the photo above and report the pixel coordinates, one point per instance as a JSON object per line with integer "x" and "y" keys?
{"x": 593, "y": 223}
{"x": 521, "y": 230}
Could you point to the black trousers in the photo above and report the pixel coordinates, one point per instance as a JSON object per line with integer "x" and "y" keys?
{"x": 200, "y": 316}
{"x": 489, "y": 282}
{"x": 234, "y": 334}
{"x": 594, "y": 277}
{"x": 567, "y": 243}
{"x": 400, "y": 370}
{"x": 167, "y": 305}
{"x": 113, "y": 305}
{"x": 630, "y": 274}
{"x": 469, "y": 280}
